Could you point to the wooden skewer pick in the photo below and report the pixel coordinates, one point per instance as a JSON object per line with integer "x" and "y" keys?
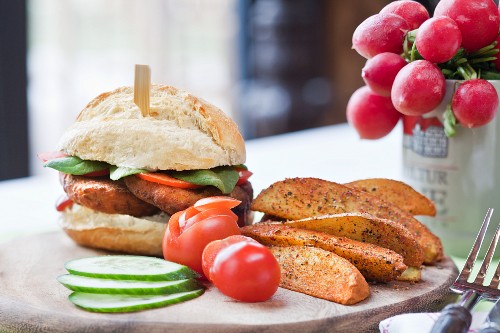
{"x": 142, "y": 87}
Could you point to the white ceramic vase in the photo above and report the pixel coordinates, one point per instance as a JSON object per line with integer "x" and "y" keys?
{"x": 460, "y": 174}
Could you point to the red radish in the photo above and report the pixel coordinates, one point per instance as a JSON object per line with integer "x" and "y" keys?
{"x": 418, "y": 88}
{"x": 380, "y": 71}
{"x": 413, "y": 12}
{"x": 475, "y": 103}
{"x": 372, "y": 115}
{"x": 380, "y": 33}
{"x": 478, "y": 20}
{"x": 438, "y": 39}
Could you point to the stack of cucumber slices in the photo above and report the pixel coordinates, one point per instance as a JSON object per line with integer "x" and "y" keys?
{"x": 120, "y": 283}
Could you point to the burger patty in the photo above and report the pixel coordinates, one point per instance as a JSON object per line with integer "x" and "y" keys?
{"x": 173, "y": 199}
{"x": 105, "y": 195}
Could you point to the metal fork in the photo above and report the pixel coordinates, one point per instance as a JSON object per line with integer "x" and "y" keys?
{"x": 456, "y": 318}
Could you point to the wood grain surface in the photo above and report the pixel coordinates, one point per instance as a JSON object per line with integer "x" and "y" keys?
{"x": 31, "y": 300}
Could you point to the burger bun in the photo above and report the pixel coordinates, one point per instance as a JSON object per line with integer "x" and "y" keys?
{"x": 115, "y": 232}
{"x": 181, "y": 132}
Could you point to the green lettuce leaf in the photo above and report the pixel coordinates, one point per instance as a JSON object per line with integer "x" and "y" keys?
{"x": 75, "y": 166}
{"x": 224, "y": 178}
{"x": 116, "y": 173}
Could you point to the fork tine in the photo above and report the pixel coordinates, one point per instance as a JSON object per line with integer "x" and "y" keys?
{"x": 496, "y": 278}
{"x": 487, "y": 259}
{"x": 469, "y": 263}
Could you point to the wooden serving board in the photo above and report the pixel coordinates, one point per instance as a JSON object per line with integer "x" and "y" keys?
{"x": 31, "y": 300}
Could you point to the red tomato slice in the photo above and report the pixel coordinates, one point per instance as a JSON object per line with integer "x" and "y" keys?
{"x": 216, "y": 202}
{"x": 213, "y": 248}
{"x": 186, "y": 247}
{"x": 164, "y": 179}
{"x": 244, "y": 175}
{"x": 98, "y": 173}
{"x": 173, "y": 225}
{"x": 206, "y": 214}
{"x": 246, "y": 271}
{"x": 63, "y": 202}
{"x": 50, "y": 155}
{"x": 186, "y": 215}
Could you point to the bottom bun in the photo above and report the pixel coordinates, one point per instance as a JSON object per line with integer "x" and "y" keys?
{"x": 115, "y": 232}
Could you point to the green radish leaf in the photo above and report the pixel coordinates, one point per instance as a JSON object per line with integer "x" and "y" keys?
{"x": 224, "y": 178}
{"x": 116, "y": 173}
{"x": 450, "y": 122}
{"x": 75, "y": 166}
{"x": 490, "y": 75}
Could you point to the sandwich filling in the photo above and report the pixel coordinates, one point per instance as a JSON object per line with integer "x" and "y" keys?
{"x": 137, "y": 192}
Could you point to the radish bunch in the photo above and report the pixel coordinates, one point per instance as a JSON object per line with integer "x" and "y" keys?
{"x": 410, "y": 55}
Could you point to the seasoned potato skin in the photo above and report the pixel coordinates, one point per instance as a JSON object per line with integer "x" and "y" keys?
{"x": 367, "y": 229}
{"x": 298, "y": 198}
{"x": 374, "y": 262}
{"x": 397, "y": 193}
{"x": 320, "y": 273}
{"x": 105, "y": 195}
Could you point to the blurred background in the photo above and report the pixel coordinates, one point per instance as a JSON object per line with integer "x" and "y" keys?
{"x": 275, "y": 66}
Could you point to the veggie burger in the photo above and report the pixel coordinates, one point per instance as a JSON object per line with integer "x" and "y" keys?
{"x": 124, "y": 174}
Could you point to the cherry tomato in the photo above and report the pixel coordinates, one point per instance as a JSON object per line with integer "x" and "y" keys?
{"x": 185, "y": 216}
{"x": 216, "y": 202}
{"x": 185, "y": 223}
{"x": 50, "y": 155}
{"x": 63, "y": 203}
{"x": 186, "y": 246}
{"x": 244, "y": 175}
{"x": 213, "y": 248}
{"x": 164, "y": 179}
{"x": 246, "y": 271}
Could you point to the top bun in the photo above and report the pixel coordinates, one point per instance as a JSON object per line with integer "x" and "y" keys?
{"x": 182, "y": 132}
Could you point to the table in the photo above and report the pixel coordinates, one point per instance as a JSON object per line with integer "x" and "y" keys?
{"x": 332, "y": 152}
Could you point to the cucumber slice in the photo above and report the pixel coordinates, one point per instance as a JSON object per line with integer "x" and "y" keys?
{"x": 129, "y": 268}
{"x": 126, "y": 287}
{"x": 127, "y": 303}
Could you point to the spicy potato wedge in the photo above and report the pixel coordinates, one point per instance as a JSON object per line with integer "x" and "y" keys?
{"x": 367, "y": 229}
{"x": 320, "y": 273}
{"x": 397, "y": 193}
{"x": 374, "y": 262}
{"x": 298, "y": 198}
